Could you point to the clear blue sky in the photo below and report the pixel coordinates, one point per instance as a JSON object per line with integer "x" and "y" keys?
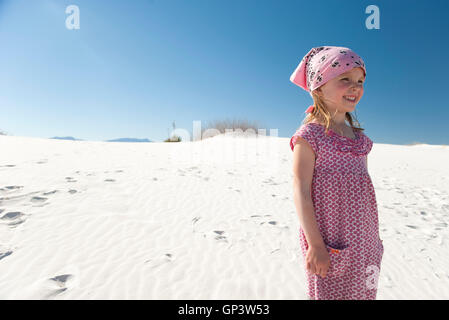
{"x": 135, "y": 66}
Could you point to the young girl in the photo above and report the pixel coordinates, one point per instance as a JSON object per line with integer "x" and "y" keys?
{"x": 333, "y": 192}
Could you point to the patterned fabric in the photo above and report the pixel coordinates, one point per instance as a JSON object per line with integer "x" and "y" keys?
{"x": 322, "y": 64}
{"x": 340, "y": 260}
{"x": 346, "y": 212}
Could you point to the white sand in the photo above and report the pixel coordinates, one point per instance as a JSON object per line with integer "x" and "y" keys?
{"x": 212, "y": 219}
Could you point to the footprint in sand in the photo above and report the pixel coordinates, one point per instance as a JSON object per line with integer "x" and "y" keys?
{"x": 158, "y": 261}
{"x": 5, "y": 254}
{"x": 13, "y": 219}
{"x": 270, "y": 222}
{"x": 16, "y": 199}
{"x": 194, "y": 219}
{"x": 61, "y": 282}
{"x": 270, "y": 181}
{"x": 50, "y": 192}
{"x": 11, "y": 188}
{"x": 12, "y": 215}
{"x": 20, "y": 198}
{"x": 38, "y": 199}
{"x": 220, "y": 237}
{"x": 61, "y": 279}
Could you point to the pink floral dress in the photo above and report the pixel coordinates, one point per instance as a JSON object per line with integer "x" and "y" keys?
{"x": 346, "y": 211}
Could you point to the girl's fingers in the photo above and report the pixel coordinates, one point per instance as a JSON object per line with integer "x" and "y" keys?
{"x": 312, "y": 268}
{"x": 323, "y": 273}
{"x": 327, "y": 269}
{"x": 320, "y": 271}
{"x": 315, "y": 269}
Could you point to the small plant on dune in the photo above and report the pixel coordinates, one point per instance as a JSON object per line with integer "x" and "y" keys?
{"x": 414, "y": 143}
{"x": 173, "y": 138}
{"x": 234, "y": 125}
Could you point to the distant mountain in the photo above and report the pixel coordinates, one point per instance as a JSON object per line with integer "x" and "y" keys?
{"x": 67, "y": 138}
{"x": 129, "y": 140}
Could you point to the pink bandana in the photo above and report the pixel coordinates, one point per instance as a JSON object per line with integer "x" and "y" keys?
{"x": 322, "y": 64}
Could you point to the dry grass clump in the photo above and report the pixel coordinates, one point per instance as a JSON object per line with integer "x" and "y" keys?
{"x": 236, "y": 125}
{"x": 414, "y": 143}
{"x": 173, "y": 138}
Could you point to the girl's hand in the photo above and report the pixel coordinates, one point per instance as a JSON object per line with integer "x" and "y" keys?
{"x": 318, "y": 260}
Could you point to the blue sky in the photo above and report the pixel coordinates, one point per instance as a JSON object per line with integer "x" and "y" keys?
{"x": 136, "y": 66}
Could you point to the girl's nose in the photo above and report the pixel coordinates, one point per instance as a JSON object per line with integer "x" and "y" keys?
{"x": 356, "y": 86}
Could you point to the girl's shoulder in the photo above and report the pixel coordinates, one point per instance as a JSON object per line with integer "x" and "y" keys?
{"x": 310, "y": 127}
{"x": 309, "y": 132}
{"x": 313, "y": 129}
{"x": 315, "y": 134}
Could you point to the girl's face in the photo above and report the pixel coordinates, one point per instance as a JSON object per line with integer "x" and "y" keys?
{"x": 336, "y": 92}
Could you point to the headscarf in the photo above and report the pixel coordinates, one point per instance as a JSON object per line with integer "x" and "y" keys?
{"x": 322, "y": 64}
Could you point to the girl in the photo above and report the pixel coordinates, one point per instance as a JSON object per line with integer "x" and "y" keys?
{"x": 333, "y": 192}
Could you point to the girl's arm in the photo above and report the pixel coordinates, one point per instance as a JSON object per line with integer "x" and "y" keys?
{"x": 303, "y": 167}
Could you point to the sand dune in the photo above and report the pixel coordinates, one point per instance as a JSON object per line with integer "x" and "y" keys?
{"x": 211, "y": 219}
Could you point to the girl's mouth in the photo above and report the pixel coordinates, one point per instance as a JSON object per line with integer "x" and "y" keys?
{"x": 350, "y": 98}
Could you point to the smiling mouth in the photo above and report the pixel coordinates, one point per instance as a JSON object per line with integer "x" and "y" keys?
{"x": 350, "y": 98}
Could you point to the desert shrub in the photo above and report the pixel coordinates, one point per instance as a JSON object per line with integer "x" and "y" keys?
{"x": 174, "y": 138}
{"x": 222, "y": 125}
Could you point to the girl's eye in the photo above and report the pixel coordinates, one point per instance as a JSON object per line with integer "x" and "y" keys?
{"x": 347, "y": 79}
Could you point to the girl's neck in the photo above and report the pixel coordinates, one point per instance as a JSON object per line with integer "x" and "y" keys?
{"x": 332, "y": 123}
{"x": 340, "y": 128}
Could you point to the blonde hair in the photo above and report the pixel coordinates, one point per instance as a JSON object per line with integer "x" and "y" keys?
{"x": 321, "y": 112}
